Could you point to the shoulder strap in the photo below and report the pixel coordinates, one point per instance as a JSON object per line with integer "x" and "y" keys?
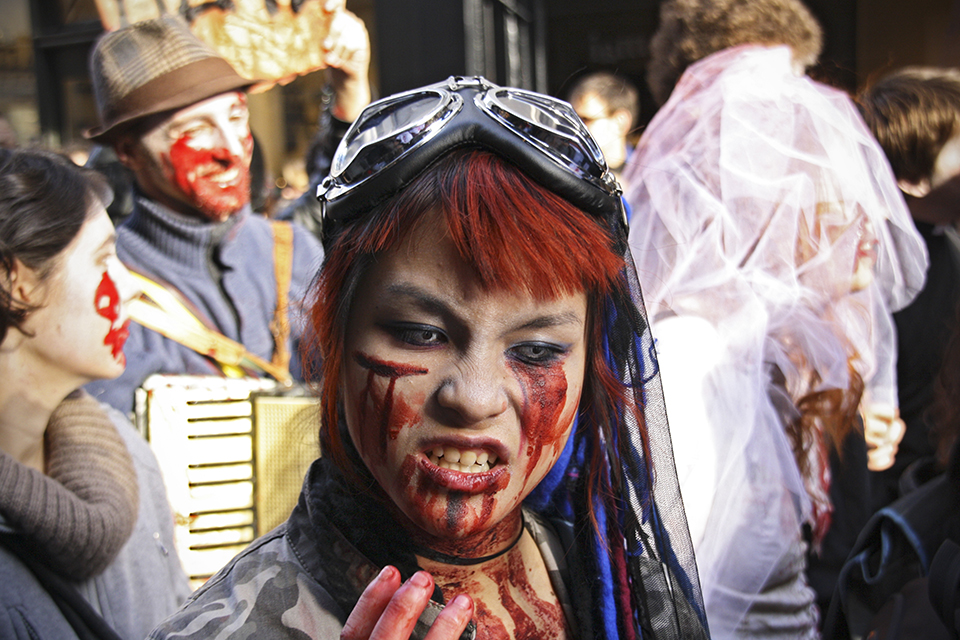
{"x": 85, "y": 622}
{"x": 160, "y": 308}
{"x": 283, "y": 269}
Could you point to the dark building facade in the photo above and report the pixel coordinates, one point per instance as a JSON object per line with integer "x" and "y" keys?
{"x": 538, "y": 44}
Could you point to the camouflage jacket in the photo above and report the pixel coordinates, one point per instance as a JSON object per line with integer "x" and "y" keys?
{"x": 302, "y": 580}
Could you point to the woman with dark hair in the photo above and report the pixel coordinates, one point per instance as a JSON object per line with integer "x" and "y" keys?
{"x": 86, "y": 535}
{"x": 496, "y": 456}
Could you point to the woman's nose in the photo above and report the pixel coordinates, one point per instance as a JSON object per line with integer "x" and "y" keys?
{"x": 475, "y": 392}
{"x": 127, "y": 286}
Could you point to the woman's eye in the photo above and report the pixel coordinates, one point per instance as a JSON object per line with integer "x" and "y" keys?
{"x": 538, "y": 353}
{"x": 419, "y": 336}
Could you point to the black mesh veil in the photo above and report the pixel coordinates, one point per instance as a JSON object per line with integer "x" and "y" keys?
{"x": 637, "y": 564}
{"x": 659, "y": 548}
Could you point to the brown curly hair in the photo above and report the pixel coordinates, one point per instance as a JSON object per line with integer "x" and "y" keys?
{"x": 693, "y": 29}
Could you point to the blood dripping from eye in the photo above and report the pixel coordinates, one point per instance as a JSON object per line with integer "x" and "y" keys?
{"x": 390, "y": 415}
{"x": 544, "y": 397}
{"x": 107, "y": 302}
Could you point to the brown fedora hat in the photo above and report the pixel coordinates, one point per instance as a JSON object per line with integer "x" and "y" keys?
{"x": 151, "y": 67}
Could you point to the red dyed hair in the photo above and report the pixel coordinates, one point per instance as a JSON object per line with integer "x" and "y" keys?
{"x": 517, "y": 236}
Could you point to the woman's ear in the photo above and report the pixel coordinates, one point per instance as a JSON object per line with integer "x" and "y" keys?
{"x": 25, "y": 284}
{"x": 916, "y": 189}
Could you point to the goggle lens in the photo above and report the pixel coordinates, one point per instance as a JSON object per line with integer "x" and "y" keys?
{"x": 383, "y": 135}
{"x": 551, "y": 125}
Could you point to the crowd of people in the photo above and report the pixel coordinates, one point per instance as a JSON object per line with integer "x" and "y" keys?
{"x": 575, "y": 380}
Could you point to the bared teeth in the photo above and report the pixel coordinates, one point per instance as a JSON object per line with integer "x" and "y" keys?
{"x": 462, "y": 461}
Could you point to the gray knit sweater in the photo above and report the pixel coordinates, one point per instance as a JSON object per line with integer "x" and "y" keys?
{"x": 142, "y": 585}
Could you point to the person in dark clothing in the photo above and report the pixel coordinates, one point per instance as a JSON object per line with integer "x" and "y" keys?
{"x": 915, "y": 115}
{"x": 902, "y": 579}
{"x": 493, "y": 429}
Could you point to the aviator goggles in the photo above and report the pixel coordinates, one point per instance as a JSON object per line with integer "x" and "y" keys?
{"x": 397, "y": 138}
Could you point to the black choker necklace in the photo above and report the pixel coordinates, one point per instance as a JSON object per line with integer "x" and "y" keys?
{"x": 464, "y": 562}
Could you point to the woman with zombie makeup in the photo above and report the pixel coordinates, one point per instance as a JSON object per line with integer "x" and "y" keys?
{"x": 497, "y": 459}
{"x": 86, "y": 534}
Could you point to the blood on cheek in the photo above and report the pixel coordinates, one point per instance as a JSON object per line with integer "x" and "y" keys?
{"x": 107, "y": 304}
{"x": 382, "y": 417}
{"x": 544, "y": 391}
{"x": 190, "y": 166}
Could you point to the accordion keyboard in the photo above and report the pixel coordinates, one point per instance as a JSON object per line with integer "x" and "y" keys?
{"x": 233, "y": 452}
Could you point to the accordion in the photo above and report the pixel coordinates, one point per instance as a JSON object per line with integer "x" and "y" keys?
{"x": 233, "y": 452}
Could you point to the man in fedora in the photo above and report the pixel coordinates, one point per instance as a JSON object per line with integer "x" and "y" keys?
{"x": 176, "y": 114}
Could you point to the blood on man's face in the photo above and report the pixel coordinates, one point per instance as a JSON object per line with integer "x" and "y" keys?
{"x": 197, "y": 160}
{"x": 459, "y": 399}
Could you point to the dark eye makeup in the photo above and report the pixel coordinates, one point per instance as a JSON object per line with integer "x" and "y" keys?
{"x": 535, "y": 353}
{"x": 538, "y": 353}
{"x": 417, "y": 335}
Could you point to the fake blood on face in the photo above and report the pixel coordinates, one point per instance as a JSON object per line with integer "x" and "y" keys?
{"x": 544, "y": 397}
{"x": 195, "y": 172}
{"x": 391, "y": 416}
{"x": 455, "y": 510}
{"x": 456, "y": 507}
{"x": 107, "y": 302}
